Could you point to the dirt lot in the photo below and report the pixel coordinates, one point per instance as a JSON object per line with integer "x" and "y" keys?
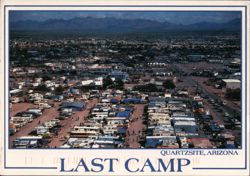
{"x": 19, "y": 107}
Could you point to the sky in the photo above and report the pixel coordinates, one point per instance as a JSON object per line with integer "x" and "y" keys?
{"x": 173, "y": 17}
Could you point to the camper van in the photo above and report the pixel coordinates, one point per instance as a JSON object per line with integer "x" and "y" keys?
{"x": 36, "y": 111}
{"x": 44, "y": 106}
{"x": 15, "y": 100}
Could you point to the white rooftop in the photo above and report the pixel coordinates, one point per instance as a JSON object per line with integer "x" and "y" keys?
{"x": 231, "y": 80}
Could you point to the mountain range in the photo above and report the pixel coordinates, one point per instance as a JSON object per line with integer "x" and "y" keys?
{"x": 115, "y": 25}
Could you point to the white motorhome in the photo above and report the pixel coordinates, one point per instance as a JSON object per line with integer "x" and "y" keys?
{"x": 36, "y": 111}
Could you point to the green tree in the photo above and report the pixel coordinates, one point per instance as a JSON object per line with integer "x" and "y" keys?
{"x": 42, "y": 88}
{"x": 168, "y": 84}
{"x": 119, "y": 84}
{"x": 146, "y": 88}
{"x": 59, "y": 90}
{"x": 46, "y": 77}
{"x": 107, "y": 82}
{"x": 233, "y": 94}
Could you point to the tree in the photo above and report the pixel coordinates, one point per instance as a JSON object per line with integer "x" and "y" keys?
{"x": 107, "y": 82}
{"x": 168, "y": 84}
{"x": 20, "y": 94}
{"x": 233, "y": 94}
{"x": 42, "y": 88}
{"x": 146, "y": 88}
{"x": 118, "y": 84}
{"x": 46, "y": 77}
{"x": 59, "y": 90}
{"x": 88, "y": 87}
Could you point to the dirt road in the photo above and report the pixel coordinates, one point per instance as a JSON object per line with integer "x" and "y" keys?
{"x": 68, "y": 124}
{"x": 135, "y": 127}
{"x": 47, "y": 115}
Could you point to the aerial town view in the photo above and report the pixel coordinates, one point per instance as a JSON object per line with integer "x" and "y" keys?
{"x": 124, "y": 80}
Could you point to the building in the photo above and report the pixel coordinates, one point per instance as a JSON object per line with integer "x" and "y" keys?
{"x": 232, "y": 83}
{"x": 119, "y": 75}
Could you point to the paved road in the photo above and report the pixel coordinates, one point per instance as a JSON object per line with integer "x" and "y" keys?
{"x": 218, "y": 117}
{"x": 135, "y": 127}
{"x": 230, "y": 105}
{"x": 193, "y": 83}
{"x": 226, "y": 108}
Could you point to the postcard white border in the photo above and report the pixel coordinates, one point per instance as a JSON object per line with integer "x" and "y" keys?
{"x": 27, "y": 162}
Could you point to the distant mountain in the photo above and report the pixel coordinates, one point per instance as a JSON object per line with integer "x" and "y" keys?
{"x": 114, "y": 25}
{"x": 234, "y": 25}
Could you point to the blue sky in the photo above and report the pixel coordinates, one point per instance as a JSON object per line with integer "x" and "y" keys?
{"x": 173, "y": 17}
